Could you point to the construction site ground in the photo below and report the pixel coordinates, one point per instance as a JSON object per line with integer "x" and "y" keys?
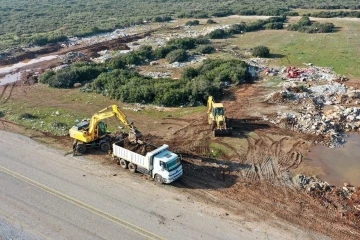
{"x": 223, "y": 171}
{"x": 249, "y": 174}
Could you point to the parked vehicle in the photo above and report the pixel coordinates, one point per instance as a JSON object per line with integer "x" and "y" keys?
{"x": 161, "y": 164}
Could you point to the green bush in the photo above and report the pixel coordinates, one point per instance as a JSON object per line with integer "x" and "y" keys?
{"x": 261, "y": 51}
{"x": 43, "y": 40}
{"x": 234, "y": 71}
{"x": 206, "y": 49}
{"x": 192, "y": 23}
{"x": 218, "y": 34}
{"x": 305, "y": 25}
{"x": 210, "y": 21}
{"x": 189, "y": 73}
{"x": 274, "y": 25}
{"x": 78, "y": 73}
{"x": 129, "y": 86}
{"x": 179, "y": 55}
{"x": 183, "y": 43}
{"x": 161, "y": 52}
{"x": 236, "y": 29}
{"x": 162, "y": 19}
{"x": 44, "y": 78}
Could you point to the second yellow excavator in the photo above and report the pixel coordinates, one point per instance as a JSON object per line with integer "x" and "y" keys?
{"x": 90, "y": 133}
{"x": 217, "y": 119}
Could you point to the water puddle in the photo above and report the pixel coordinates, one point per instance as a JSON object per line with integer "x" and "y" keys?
{"x": 10, "y": 78}
{"x": 14, "y": 67}
{"x": 340, "y": 165}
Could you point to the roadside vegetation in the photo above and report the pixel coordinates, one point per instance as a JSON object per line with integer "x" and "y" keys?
{"x": 51, "y": 21}
{"x": 129, "y": 86}
{"x": 118, "y": 80}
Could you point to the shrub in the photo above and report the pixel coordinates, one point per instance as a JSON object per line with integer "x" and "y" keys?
{"x": 202, "y": 40}
{"x": 162, "y": 19}
{"x": 305, "y": 25}
{"x": 261, "y": 51}
{"x": 236, "y": 29}
{"x": 78, "y": 73}
{"x": 44, "y": 78}
{"x": 192, "y": 23}
{"x": 161, "y": 52}
{"x": 210, "y": 21}
{"x": 206, "y": 49}
{"x": 183, "y": 43}
{"x": 218, "y": 34}
{"x": 27, "y": 116}
{"x": 189, "y": 73}
{"x": 179, "y": 55}
{"x": 234, "y": 71}
{"x": 274, "y": 25}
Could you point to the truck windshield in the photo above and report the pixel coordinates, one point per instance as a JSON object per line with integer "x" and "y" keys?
{"x": 172, "y": 164}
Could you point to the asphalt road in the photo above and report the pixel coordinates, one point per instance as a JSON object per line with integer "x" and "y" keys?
{"x": 46, "y": 195}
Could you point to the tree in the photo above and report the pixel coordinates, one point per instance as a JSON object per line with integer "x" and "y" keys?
{"x": 261, "y": 51}
{"x": 179, "y": 55}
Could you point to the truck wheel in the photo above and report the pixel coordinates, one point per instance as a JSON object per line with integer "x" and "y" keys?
{"x": 158, "y": 179}
{"x": 123, "y": 163}
{"x": 105, "y": 147}
{"x": 132, "y": 167}
{"x": 81, "y": 148}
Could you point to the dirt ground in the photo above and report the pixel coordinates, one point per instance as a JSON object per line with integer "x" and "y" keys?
{"x": 249, "y": 174}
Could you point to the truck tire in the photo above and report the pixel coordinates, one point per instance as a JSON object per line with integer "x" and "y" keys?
{"x": 105, "y": 147}
{"x": 123, "y": 163}
{"x": 81, "y": 148}
{"x": 158, "y": 179}
{"x": 132, "y": 167}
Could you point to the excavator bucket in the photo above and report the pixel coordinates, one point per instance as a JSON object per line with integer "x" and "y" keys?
{"x": 222, "y": 132}
{"x": 134, "y": 135}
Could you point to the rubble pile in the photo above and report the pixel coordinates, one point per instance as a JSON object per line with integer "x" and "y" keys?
{"x": 72, "y": 57}
{"x": 192, "y": 60}
{"x": 311, "y": 184}
{"x": 346, "y": 199}
{"x": 157, "y": 75}
{"x": 332, "y": 123}
{"x": 311, "y": 73}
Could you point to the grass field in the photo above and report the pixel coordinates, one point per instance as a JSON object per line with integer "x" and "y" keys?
{"x": 340, "y": 50}
{"x": 58, "y": 109}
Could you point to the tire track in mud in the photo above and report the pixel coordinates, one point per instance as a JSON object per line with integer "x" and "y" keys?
{"x": 269, "y": 161}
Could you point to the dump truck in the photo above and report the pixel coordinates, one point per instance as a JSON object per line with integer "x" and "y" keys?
{"x": 218, "y": 122}
{"x": 161, "y": 164}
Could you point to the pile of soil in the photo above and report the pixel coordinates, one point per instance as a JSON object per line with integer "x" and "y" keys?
{"x": 140, "y": 148}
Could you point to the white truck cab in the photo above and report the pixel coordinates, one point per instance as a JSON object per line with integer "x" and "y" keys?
{"x": 161, "y": 164}
{"x": 167, "y": 165}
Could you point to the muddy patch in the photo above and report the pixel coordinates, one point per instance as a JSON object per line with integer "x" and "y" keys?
{"x": 339, "y": 164}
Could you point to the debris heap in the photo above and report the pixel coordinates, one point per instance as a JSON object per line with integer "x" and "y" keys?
{"x": 339, "y": 117}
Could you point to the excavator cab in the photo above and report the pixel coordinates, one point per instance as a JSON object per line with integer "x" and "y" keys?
{"x": 217, "y": 119}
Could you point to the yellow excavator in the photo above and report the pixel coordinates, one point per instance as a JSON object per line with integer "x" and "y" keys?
{"x": 91, "y": 133}
{"x": 217, "y": 119}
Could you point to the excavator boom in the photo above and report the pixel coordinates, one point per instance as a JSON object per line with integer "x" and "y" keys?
{"x": 93, "y": 132}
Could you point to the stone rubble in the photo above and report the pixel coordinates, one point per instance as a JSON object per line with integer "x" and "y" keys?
{"x": 157, "y": 75}
{"x": 341, "y": 115}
